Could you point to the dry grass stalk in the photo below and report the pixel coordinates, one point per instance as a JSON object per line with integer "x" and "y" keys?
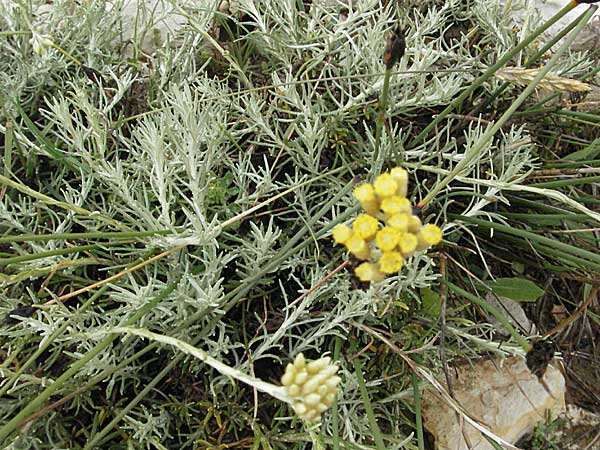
{"x": 522, "y": 77}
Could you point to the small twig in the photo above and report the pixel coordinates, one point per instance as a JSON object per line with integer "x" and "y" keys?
{"x": 444, "y": 298}
{"x": 362, "y": 350}
{"x": 467, "y": 117}
{"x": 580, "y": 230}
{"x": 580, "y": 310}
{"x": 110, "y": 279}
{"x": 321, "y": 282}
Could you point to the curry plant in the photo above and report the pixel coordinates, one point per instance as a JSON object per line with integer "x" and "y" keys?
{"x": 167, "y": 214}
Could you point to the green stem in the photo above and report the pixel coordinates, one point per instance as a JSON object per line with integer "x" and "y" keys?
{"x": 534, "y": 217}
{"x": 47, "y": 342}
{"x": 15, "y": 33}
{"x": 383, "y": 102}
{"x": 474, "y": 151}
{"x": 553, "y": 243}
{"x": 66, "y": 54}
{"x": 41, "y": 255}
{"x": 37, "y": 402}
{"x": 491, "y": 71}
{"x": 548, "y": 45}
{"x": 418, "y": 417}
{"x": 578, "y": 115}
{"x": 573, "y": 164}
{"x": 569, "y": 261}
{"x": 493, "y": 443}
{"x": 592, "y": 200}
{"x": 50, "y": 201}
{"x": 567, "y": 182}
{"x": 531, "y": 61}
{"x": 70, "y": 236}
{"x": 375, "y": 431}
{"x": 525, "y": 345}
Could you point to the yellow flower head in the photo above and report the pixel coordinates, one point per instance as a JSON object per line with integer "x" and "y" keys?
{"x": 429, "y": 235}
{"x": 387, "y": 238}
{"x": 390, "y": 262}
{"x": 365, "y": 226}
{"x": 341, "y": 233}
{"x": 398, "y": 222}
{"x": 385, "y": 185}
{"x": 407, "y": 243}
{"x": 401, "y": 177}
{"x": 403, "y": 233}
{"x": 395, "y": 205}
{"x": 358, "y": 247}
{"x": 368, "y": 272}
{"x": 365, "y": 194}
{"x": 414, "y": 224}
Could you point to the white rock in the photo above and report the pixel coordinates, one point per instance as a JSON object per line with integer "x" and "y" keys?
{"x": 504, "y": 396}
{"x": 150, "y": 22}
{"x": 522, "y": 12}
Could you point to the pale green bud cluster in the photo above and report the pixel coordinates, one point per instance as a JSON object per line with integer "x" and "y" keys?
{"x": 312, "y": 385}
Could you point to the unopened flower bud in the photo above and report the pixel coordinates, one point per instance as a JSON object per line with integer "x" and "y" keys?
{"x": 396, "y": 205}
{"x": 365, "y": 194}
{"x": 399, "y": 222}
{"x": 401, "y": 177}
{"x": 315, "y": 393}
{"x": 407, "y": 243}
{"x": 387, "y": 238}
{"x": 414, "y": 224}
{"x": 318, "y": 365}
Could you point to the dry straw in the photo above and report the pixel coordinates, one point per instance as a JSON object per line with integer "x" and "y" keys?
{"x": 554, "y": 83}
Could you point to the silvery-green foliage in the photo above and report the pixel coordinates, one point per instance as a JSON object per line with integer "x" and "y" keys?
{"x": 217, "y": 127}
{"x": 149, "y": 427}
{"x": 257, "y": 248}
{"x": 86, "y": 33}
{"x": 496, "y": 23}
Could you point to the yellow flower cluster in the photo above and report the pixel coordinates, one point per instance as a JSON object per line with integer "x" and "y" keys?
{"x": 312, "y": 385}
{"x": 384, "y": 248}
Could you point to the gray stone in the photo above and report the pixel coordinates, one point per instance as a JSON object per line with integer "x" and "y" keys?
{"x": 513, "y": 312}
